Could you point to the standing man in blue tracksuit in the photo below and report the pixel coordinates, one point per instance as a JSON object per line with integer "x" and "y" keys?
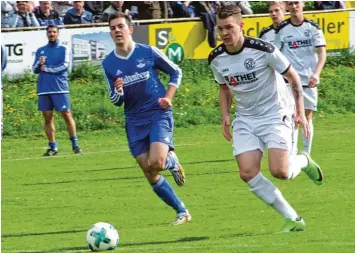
{"x": 51, "y": 63}
{"x": 131, "y": 72}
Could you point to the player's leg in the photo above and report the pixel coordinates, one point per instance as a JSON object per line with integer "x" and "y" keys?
{"x": 140, "y": 147}
{"x": 310, "y": 105}
{"x": 46, "y": 106}
{"x": 159, "y": 184}
{"x": 162, "y": 132}
{"x": 62, "y": 103}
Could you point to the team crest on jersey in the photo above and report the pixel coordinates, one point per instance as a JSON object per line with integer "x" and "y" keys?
{"x": 307, "y": 33}
{"x": 249, "y": 64}
{"x": 119, "y": 72}
{"x": 141, "y": 63}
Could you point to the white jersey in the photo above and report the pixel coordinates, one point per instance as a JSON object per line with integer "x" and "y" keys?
{"x": 251, "y": 73}
{"x": 268, "y": 34}
{"x": 298, "y": 44}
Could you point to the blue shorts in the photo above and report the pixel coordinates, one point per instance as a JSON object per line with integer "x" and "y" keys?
{"x": 60, "y": 102}
{"x": 158, "y": 129}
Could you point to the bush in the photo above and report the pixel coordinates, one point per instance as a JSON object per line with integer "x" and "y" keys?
{"x": 196, "y": 102}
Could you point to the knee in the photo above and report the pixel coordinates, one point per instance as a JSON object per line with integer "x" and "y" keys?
{"x": 246, "y": 176}
{"x": 157, "y": 164}
{"x": 280, "y": 173}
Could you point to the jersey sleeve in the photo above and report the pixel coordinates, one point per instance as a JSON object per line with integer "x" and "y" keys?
{"x": 163, "y": 63}
{"x": 278, "y": 61}
{"x": 319, "y": 40}
{"x": 115, "y": 97}
{"x": 36, "y": 66}
{"x": 217, "y": 76}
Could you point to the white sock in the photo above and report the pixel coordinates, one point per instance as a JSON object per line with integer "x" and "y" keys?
{"x": 307, "y": 144}
{"x": 268, "y": 192}
{"x": 295, "y": 164}
{"x": 294, "y": 141}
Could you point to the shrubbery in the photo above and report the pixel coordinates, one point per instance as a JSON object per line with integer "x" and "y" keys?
{"x": 196, "y": 102}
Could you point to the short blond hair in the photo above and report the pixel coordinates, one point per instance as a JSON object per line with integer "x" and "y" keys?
{"x": 282, "y": 4}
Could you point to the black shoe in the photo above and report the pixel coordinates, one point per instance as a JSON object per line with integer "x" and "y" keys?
{"x": 51, "y": 152}
{"x": 77, "y": 151}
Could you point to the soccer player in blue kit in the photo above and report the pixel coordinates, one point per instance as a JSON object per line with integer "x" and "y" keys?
{"x": 131, "y": 72}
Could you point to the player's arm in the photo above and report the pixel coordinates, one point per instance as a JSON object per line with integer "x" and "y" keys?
{"x": 322, "y": 56}
{"x": 319, "y": 43}
{"x": 62, "y": 66}
{"x": 36, "y": 67}
{"x": 116, "y": 98}
{"x": 163, "y": 63}
{"x": 225, "y": 102}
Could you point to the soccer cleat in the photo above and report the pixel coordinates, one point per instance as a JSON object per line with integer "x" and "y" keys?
{"x": 182, "y": 218}
{"x": 178, "y": 171}
{"x": 51, "y": 152}
{"x": 293, "y": 225}
{"x": 77, "y": 151}
{"x": 313, "y": 170}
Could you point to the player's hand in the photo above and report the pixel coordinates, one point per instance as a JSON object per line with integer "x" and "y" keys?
{"x": 313, "y": 81}
{"x": 42, "y": 60}
{"x": 226, "y": 128}
{"x": 165, "y": 103}
{"x": 119, "y": 85}
{"x": 301, "y": 120}
{"x": 42, "y": 67}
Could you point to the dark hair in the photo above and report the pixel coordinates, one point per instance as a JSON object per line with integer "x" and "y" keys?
{"x": 226, "y": 11}
{"x": 52, "y": 26}
{"x": 119, "y": 14}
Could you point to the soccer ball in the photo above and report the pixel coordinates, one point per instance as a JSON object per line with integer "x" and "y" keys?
{"x": 102, "y": 236}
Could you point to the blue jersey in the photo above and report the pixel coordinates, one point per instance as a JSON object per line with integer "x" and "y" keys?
{"x": 54, "y": 77}
{"x": 142, "y": 87}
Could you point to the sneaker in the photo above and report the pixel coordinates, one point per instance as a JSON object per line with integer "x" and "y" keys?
{"x": 177, "y": 172}
{"x": 313, "y": 170}
{"x": 182, "y": 218}
{"x": 51, "y": 152}
{"x": 77, "y": 151}
{"x": 293, "y": 225}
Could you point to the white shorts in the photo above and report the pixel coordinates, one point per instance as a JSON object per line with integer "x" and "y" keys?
{"x": 310, "y": 98}
{"x": 252, "y": 134}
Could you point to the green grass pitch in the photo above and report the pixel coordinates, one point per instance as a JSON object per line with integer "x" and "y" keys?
{"x": 48, "y": 204}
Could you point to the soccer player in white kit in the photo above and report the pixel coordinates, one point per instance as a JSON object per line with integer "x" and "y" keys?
{"x": 303, "y": 44}
{"x": 247, "y": 68}
{"x": 277, "y": 11}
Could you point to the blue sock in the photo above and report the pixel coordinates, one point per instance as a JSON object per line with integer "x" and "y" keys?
{"x": 52, "y": 145}
{"x": 170, "y": 162}
{"x": 167, "y": 194}
{"x": 74, "y": 141}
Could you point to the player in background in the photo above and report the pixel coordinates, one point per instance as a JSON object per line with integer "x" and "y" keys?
{"x": 277, "y": 11}
{"x": 131, "y": 72}
{"x": 303, "y": 44}
{"x": 52, "y": 63}
{"x": 247, "y": 68}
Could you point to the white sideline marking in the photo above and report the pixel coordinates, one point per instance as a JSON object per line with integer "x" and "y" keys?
{"x": 84, "y": 153}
